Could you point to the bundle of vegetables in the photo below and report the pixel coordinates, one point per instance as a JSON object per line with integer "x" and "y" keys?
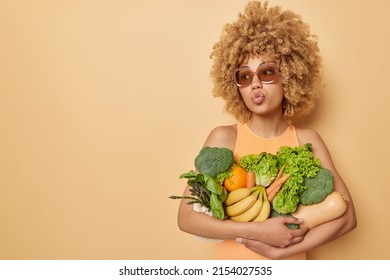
{"x": 285, "y": 183}
{"x": 302, "y": 187}
{"x": 213, "y": 165}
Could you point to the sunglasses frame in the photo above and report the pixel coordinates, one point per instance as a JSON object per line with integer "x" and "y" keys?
{"x": 261, "y": 66}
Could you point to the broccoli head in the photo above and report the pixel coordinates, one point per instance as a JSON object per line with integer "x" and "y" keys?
{"x": 317, "y": 188}
{"x": 214, "y": 160}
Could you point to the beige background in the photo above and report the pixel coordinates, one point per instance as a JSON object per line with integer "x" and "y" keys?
{"x": 103, "y": 104}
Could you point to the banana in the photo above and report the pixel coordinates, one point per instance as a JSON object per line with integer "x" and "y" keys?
{"x": 265, "y": 209}
{"x": 251, "y": 213}
{"x": 237, "y": 195}
{"x": 241, "y": 206}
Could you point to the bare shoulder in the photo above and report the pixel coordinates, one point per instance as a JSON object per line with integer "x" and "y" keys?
{"x": 222, "y": 136}
{"x": 308, "y": 135}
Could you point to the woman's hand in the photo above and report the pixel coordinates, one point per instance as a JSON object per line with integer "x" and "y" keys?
{"x": 274, "y": 232}
{"x": 268, "y": 251}
{"x": 273, "y": 236}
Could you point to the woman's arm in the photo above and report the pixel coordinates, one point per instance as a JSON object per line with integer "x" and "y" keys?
{"x": 325, "y": 232}
{"x": 203, "y": 225}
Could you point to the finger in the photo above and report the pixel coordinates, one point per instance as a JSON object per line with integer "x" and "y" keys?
{"x": 250, "y": 244}
{"x": 293, "y": 220}
{"x": 245, "y": 241}
{"x": 297, "y": 239}
{"x": 301, "y": 232}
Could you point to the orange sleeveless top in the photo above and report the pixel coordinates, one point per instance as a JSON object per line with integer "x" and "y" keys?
{"x": 249, "y": 143}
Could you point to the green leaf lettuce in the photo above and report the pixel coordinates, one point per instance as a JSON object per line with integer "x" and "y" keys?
{"x": 300, "y": 163}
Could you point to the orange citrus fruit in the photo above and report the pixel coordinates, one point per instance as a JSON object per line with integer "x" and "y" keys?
{"x": 236, "y": 180}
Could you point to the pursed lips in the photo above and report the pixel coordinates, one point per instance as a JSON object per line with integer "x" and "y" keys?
{"x": 257, "y": 97}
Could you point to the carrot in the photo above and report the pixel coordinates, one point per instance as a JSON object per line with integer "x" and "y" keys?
{"x": 250, "y": 179}
{"x": 275, "y": 186}
{"x": 280, "y": 173}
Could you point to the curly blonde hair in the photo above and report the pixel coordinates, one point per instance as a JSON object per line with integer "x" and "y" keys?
{"x": 280, "y": 36}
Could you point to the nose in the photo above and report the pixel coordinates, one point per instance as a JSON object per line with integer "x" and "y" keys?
{"x": 256, "y": 83}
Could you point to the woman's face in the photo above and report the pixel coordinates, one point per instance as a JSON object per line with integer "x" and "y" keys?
{"x": 264, "y": 95}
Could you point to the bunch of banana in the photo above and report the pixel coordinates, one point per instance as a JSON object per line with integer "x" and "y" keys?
{"x": 248, "y": 205}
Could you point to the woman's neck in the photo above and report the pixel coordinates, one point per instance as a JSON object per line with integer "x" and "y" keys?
{"x": 267, "y": 127}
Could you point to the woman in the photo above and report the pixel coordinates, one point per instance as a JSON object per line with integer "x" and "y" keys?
{"x": 267, "y": 68}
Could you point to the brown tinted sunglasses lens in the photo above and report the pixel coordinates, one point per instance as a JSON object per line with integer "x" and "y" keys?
{"x": 244, "y": 77}
{"x": 267, "y": 73}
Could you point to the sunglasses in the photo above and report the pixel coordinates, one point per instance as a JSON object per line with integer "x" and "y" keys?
{"x": 267, "y": 73}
